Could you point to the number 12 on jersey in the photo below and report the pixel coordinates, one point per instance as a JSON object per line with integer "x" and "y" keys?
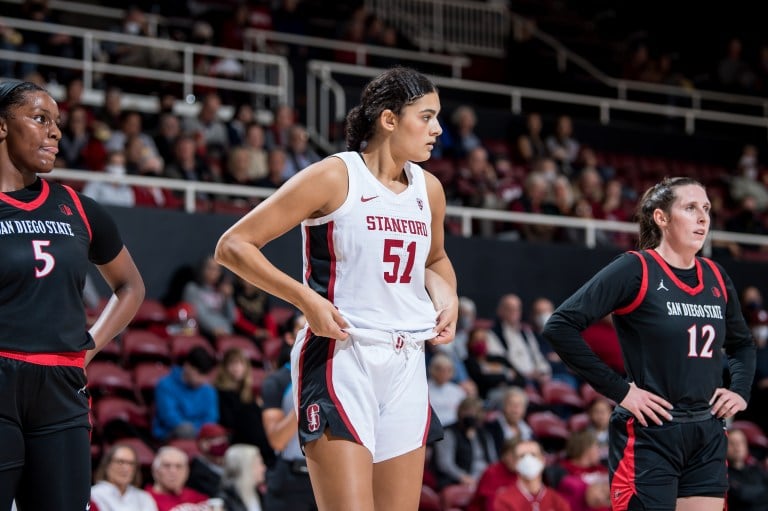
{"x": 707, "y": 335}
{"x": 394, "y": 251}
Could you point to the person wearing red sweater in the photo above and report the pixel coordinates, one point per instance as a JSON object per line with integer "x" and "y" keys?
{"x": 170, "y": 470}
{"x": 498, "y": 475}
{"x": 528, "y": 493}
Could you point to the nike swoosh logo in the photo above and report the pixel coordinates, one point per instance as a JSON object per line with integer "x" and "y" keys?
{"x": 366, "y": 199}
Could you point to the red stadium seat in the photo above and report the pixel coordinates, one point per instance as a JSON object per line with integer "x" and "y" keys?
{"x": 111, "y": 352}
{"x": 258, "y": 375}
{"x": 549, "y": 429}
{"x": 150, "y": 311}
{"x": 578, "y": 422}
{"x": 109, "y": 379}
{"x": 588, "y": 393}
{"x": 271, "y": 347}
{"x": 188, "y": 445}
{"x": 755, "y": 435}
{"x": 117, "y": 418}
{"x": 281, "y": 314}
{"x": 430, "y": 500}
{"x": 456, "y": 496}
{"x": 145, "y": 377}
{"x": 182, "y": 344}
{"x": 556, "y": 392}
{"x": 227, "y": 342}
{"x": 143, "y": 345}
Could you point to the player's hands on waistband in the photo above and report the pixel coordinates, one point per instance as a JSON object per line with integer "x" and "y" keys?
{"x": 726, "y": 403}
{"x": 642, "y": 404}
{"x": 446, "y": 325}
{"x": 324, "y": 318}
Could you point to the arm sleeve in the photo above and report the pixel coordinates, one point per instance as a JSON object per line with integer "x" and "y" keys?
{"x": 739, "y": 343}
{"x": 106, "y": 242}
{"x": 613, "y": 287}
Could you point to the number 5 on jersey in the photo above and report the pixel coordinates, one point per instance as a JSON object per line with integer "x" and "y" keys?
{"x": 40, "y": 255}
{"x": 393, "y": 254}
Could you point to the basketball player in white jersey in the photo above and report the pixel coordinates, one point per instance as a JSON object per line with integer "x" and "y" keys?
{"x": 377, "y": 285}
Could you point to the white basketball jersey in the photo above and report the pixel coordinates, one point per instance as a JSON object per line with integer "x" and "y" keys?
{"x": 368, "y": 257}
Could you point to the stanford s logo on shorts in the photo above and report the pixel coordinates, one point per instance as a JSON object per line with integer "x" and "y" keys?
{"x": 313, "y": 417}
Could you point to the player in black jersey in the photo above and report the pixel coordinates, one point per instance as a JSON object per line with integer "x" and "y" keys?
{"x": 49, "y": 235}
{"x": 674, "y": 313}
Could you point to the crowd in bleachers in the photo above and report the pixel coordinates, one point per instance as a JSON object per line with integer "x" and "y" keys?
{"x": 499, "y": 388}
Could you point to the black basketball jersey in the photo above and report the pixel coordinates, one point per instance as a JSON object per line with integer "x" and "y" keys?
{"x": 49, "y": 235}
{"x": 671, "y": 323}
{"x": 672, "y": 334}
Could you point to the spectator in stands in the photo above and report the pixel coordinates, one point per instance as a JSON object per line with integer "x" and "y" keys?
{"x": 237, "y": 126}
{"x": 116, "y": 193}
{"x": 523, "y": 152}
{"x": 497, "y": 476}
{"x": 168, "y": 130}
{"x": 252, "y": 311}
{"x": 237, "y": 173}
{"x": 588, "y": 160}
{"x": 562, "y": 147}
{"x": 515, "y": 340}
{"x": 243, "y": 474}
{"x": 541, "y": 310}
{"x": 205, "y": 468}
{"x": 463, "y": 138}
{"x": 73, "y": 96}
{"x": 477, "y": 181}
{"x": 563, "y": 195}
{"x": 276, "y": 162}
{"x": 207, "y": 128}
{"x": 299, "y": 154}
{"x": 131, "y": 127}
{"x": 254, "y": 143}
{"x": 488, "y": 372}
{"x": 444, "y": 395}
{"x": 748, "y": 182}
{"x": 118, "y": 482}
{"x": 637, "y": 66}
{"x": 457, "y": 350}
{"x": 187, "y": 164}
{"x": 184, "y": 400}
{"x": 733, "y": 72}
{"x": 170, "y": 470}
{"x": 757, "y": 319}
{"x": 510, "y": 424}
{"x": 110, "y": 114}
{"x": 279, "y": 134}
{"x": 534, "y": 131}
{"x": 288, "y": 484}
{"x": 239, "y": 407}
{"x": 599, "y": 411}
{"x": 747, "y": 478}
{"x": 746, "y": 220}
{"x": 78, "y": 147}
{"x": 584, "y": 209}
{"x": 211, "y": 296}
{"x": 466, "y": 449}
{"x": 537, "y": 198}
{"x": 580, "y": 478}
{"x": 529, "y": 493}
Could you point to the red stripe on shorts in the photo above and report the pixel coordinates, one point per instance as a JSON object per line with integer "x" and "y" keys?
{"x": 623, "y": 483}
{"x": 332, "y": 392}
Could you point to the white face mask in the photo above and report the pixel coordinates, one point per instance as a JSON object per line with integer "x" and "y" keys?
{"x": 115, "y": 170}
{"x": 529, "y": 467}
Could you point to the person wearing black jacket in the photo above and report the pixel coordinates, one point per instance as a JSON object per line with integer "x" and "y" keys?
{"x": 674, "y": 313}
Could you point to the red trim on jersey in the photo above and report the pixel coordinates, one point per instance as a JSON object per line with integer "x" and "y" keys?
{"x": 718, "y": 276}
{"x": 623, "y": 483}
{"x": 643, "y": 288}
{"x": 332, "y": 392}
{"x": 79, "y": 206}
{"x": 429, "y": 422}
{"x": 307, "y": 258}
{"x": 74, "y": 359}
{"x": 28, "y": 206}
{"x": 332, "y": 253}
{"x": 679, "y": 283}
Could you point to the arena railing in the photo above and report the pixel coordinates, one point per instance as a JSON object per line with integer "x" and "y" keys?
{"x": 274, "y": 73}
{"x": 465, "y": 216}
{"x": 323, "y": 91}
{"x": 256, "y": 38}
{"x": 483, "y": 28}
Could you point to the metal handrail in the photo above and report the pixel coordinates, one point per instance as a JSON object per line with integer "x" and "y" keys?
{"x": 455, "y": 62}
{"x": 515, "y": 94}
{"x": 464, "y": 214}
{"x": 282, "y": 91}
